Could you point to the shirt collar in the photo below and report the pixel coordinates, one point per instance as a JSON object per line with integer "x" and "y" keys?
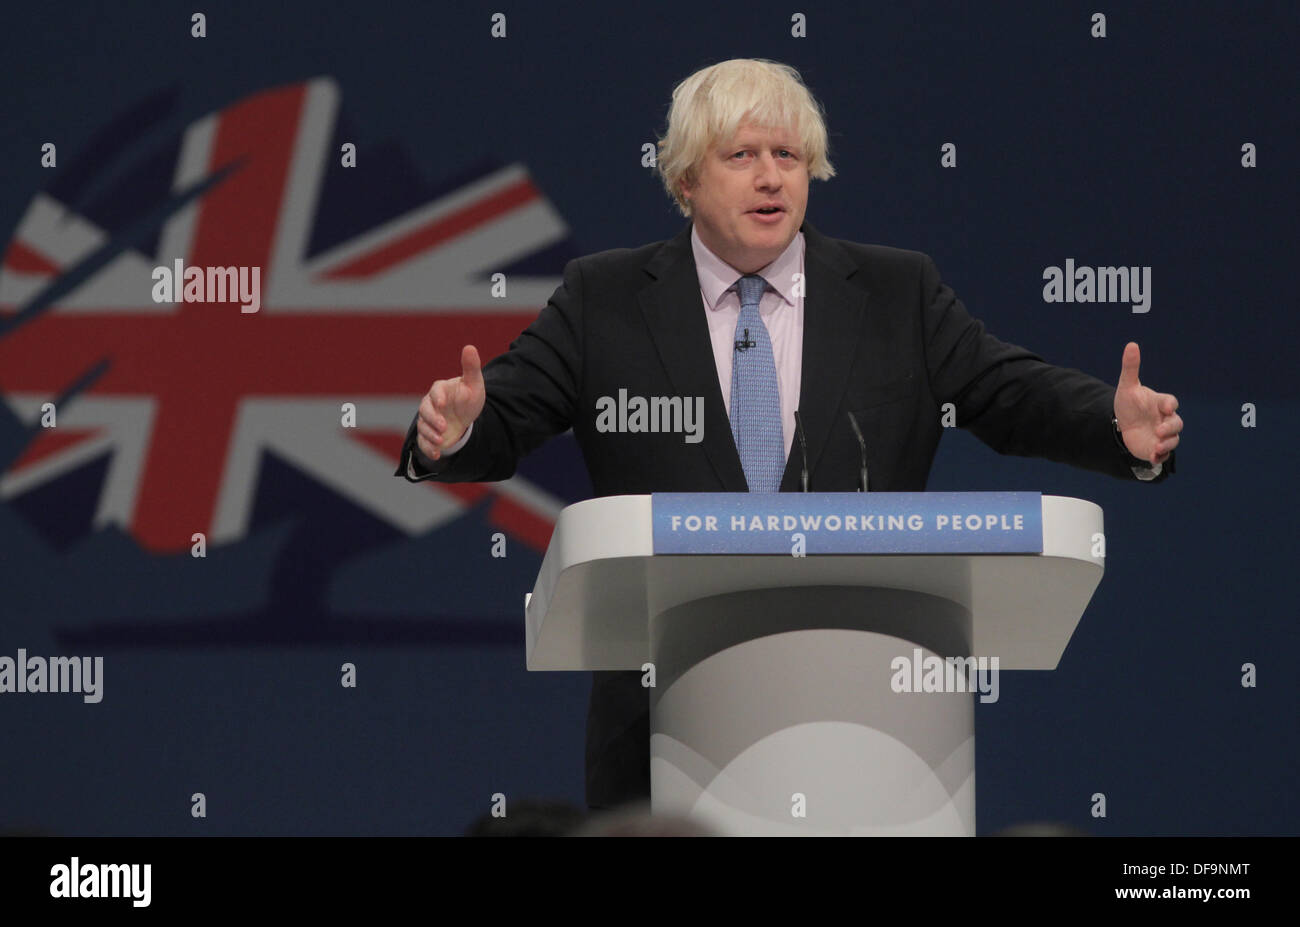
{"x": 717, "y": 276}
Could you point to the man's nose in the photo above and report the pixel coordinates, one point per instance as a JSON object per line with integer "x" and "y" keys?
{"x": 768, "y": 174}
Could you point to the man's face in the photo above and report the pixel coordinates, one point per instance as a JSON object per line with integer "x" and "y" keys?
{"x": 757, "y": 168}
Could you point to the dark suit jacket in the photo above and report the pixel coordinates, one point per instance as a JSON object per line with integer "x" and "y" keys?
{"x": 883, "y": 337}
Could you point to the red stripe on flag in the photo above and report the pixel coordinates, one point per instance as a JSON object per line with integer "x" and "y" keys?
{"x": 468, "y": 493}
{"x": 48, "y": 443}
{"x": 24, "y": 259}
{"x": 237, "y": 223}
{"x": 429, "y": 236}
{"x": 525, "y": 524}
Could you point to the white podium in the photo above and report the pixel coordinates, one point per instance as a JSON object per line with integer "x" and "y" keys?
{"x": 776, "y": 706}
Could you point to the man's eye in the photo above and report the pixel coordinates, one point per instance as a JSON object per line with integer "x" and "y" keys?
{"x": 784, "y": 151}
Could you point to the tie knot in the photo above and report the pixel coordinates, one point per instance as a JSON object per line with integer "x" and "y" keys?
{"x": 751, "y": 289}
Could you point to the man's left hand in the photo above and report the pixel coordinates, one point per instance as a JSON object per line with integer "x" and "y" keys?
{"x": 1147, "y": 420}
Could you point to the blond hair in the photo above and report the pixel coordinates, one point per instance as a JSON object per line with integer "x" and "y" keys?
{"x": 711, "y": 104}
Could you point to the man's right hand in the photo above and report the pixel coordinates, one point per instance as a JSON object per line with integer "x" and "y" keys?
{"x": 450, "y": 406}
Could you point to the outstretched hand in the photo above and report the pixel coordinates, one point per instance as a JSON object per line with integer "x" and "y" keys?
{"x": 450, "y": 406}
{"x": 1148, "y": 421}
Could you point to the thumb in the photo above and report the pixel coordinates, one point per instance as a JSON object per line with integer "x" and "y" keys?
{"x": 1128, "y": 374}
{"x": 471, "y": 370}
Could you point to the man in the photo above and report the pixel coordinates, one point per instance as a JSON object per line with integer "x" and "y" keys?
{"x": 757, "y": 313}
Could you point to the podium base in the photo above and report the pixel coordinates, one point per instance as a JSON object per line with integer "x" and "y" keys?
{"x": 782, "y": 718}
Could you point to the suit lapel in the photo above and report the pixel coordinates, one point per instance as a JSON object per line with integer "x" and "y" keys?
{"x": 834, "y": 316}
{"x": 674, "y": 313}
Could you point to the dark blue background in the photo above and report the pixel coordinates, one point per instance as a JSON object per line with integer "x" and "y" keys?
{"x": 1122, "y": 151}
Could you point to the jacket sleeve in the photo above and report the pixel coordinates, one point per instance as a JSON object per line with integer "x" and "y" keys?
{"x": 531, "y": 394}
{"x": 1010, "y": 398}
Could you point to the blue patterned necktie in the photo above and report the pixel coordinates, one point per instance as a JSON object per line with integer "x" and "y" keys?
{"x": 755, "y": 397}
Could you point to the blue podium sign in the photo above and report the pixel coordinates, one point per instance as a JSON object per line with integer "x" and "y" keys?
{"x": 848, "y": 523}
